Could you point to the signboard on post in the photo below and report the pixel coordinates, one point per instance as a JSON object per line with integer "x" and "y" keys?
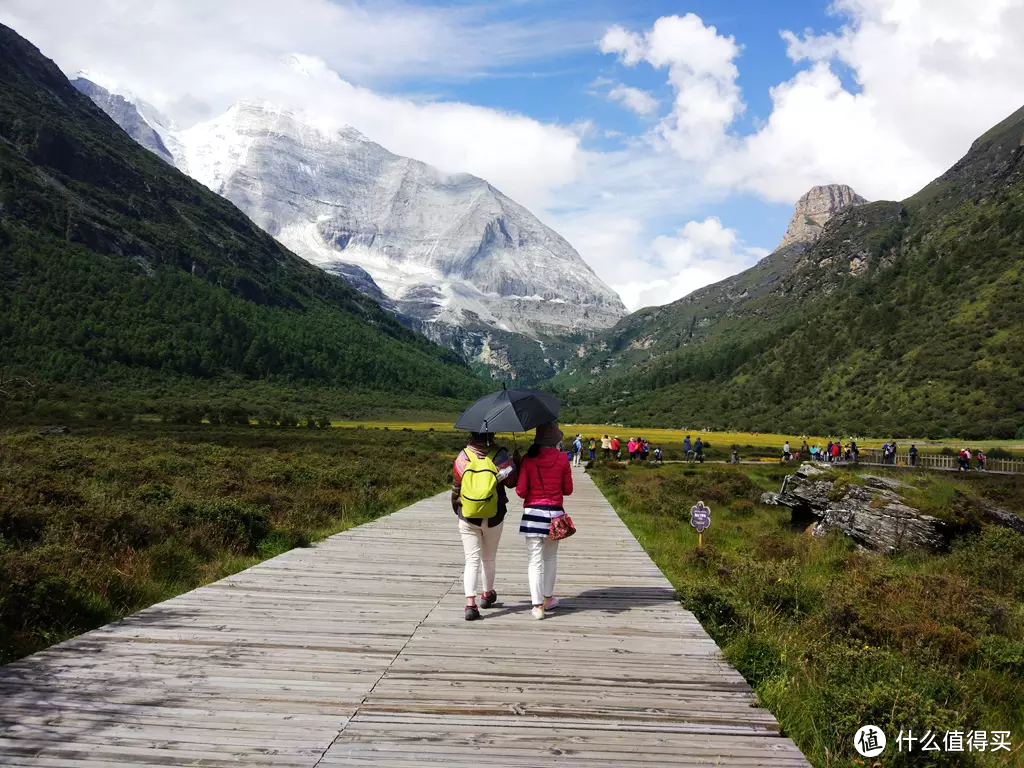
{"x": 700, "y": 518}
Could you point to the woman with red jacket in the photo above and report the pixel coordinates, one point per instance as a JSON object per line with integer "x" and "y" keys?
{"x": 544, "y": 479}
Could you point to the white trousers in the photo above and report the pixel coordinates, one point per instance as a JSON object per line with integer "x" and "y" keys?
{"x": 480, "y": 543}
{"x": 543, "y": 559}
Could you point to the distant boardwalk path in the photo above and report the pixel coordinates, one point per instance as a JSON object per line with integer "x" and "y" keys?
{"x": 354, "y": 652}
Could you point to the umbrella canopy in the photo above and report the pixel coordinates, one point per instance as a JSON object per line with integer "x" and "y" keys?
{"x": 511, "y": 410}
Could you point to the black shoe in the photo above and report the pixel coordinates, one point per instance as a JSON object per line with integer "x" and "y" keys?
{"x": 472, "y": 613}
{"x": 486, "y": 601}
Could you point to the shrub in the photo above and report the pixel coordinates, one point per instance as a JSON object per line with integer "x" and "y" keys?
{"x": 742, "y": 508}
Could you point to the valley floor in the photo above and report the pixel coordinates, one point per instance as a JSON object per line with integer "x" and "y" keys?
{"x": 355, "y": 652}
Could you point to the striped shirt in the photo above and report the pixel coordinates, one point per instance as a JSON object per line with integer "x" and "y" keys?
{"x": 536, "y": 521}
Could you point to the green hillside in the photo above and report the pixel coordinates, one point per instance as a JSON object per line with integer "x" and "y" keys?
{"x": 118, "y": 272}
{"x": 904, "y": 318}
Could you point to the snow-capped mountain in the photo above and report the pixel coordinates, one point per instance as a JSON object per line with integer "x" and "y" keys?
{"x": 129, "y": 114}
{"x": 442, "y": 249}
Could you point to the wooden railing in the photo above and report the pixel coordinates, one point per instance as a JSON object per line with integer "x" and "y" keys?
{"x": 874, "y": 456}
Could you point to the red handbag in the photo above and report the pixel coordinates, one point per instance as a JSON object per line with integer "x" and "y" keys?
{"x": 561, "y": 528}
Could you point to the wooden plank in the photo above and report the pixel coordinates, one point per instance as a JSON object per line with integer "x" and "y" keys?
{"x": 354, "y": 652}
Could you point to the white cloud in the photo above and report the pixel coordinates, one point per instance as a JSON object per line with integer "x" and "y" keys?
{"x": 701, "y": 69}
{"x": 701, "y": 253}
{"x": 648, "y": 272}
{"x": 634, "y": 99}
{"x": 194, "y": 58}
{"x": 930, "y": 77}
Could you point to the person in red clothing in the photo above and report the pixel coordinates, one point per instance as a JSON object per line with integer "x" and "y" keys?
{"x": 545, "y": 478}
{"x": 616, "y": 447}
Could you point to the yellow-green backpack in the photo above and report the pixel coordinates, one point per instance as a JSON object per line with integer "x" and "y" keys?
{"x": 479, "y": 493}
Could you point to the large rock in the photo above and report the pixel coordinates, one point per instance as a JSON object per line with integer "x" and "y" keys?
{"x": 872, "y": 513}
{"x": 814, "y": 210}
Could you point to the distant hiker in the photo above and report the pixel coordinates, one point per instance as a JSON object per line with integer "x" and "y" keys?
{"x": 854, "y": 450}
{"x": 828, "y": 451}
{"x": 645, "y": 450}
{"x": 698, "y": 450}
{"x": 893, "y": 449}
{"x": 657, "y": 455}
{"x": 885, "y": 453}
{"x": 480, "y": 474}
{"x": 606, "y": 446}
{"x": 913, "y": 455}
{"x": 593, "y": 449}
{"x": 787, "y": 454}
{"x": 544, "y": 480}
{"x": 965, "y": 460}
{"x": 982, "y": 458}
{"x": 835, "y": 452}
{"x": 577, "y": 450}
{"x": 687, "y": 449}
{"x": 617, "y": 447}
{"x": 804, "y": 449}
{"x": 735, "y": 459}
{"x": 814, "y": 453}
{"x": 631, "y": 448}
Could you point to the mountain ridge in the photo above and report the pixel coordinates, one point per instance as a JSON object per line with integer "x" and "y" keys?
{"x": 445, "y": 250}
{"x": 900, "y": 318}
{"x": 158, "y": 279}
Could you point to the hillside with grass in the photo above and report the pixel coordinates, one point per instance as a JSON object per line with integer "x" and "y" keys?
{"x": 118, "y": 274}
{"x": 831, "y": 636}
{"x": 903, "y": 318}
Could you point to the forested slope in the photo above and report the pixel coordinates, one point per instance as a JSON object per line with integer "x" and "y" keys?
{"x": 903, "y": 318}
{"x": 118, "y": 271}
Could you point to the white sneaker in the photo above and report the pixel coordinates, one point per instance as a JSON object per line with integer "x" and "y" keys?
{"x": 538, "y": 612}
{"x": 550, "y": 603}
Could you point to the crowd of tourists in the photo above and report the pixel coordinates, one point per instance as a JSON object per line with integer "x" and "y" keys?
{"x": 835, "y": 451}
{"x": 832, "y": 452}
{"x": 637, "y": 449}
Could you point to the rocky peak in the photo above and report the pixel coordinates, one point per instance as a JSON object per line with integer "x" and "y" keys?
{"x": 815, "y": 208}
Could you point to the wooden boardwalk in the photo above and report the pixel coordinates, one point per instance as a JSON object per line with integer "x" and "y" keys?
{"x": 355, "y": 653}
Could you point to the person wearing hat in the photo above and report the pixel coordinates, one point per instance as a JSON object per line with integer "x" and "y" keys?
{"x": 545, "y": 478}
{"x": 480, "y": 536}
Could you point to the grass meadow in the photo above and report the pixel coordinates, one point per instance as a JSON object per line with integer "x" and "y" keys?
{"x": 103, "y": 522}
{"x": 751, "y": 444}
{"x": 830, "y": 637}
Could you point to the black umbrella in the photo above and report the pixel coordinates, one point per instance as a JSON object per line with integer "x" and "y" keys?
{"x": 511, "y": 410}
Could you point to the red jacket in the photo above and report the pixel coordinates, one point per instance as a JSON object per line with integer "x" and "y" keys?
{"x": 546, "y": 479}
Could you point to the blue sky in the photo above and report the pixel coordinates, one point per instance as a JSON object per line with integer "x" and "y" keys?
{"x": 667, "y": 141}
{"x": 558, "y": 88}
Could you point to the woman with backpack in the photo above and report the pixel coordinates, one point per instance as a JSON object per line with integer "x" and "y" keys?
{"x": 480, "y": 474}
{"x": 545, "y": 478}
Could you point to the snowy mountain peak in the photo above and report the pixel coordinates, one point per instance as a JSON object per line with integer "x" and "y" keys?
{"x": 442, "y": 248}
{"x": 131, "y": 115}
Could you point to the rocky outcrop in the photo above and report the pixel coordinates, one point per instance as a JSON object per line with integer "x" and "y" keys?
{"x": 870, "y": 512}
{"x": 814, "y": 210}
